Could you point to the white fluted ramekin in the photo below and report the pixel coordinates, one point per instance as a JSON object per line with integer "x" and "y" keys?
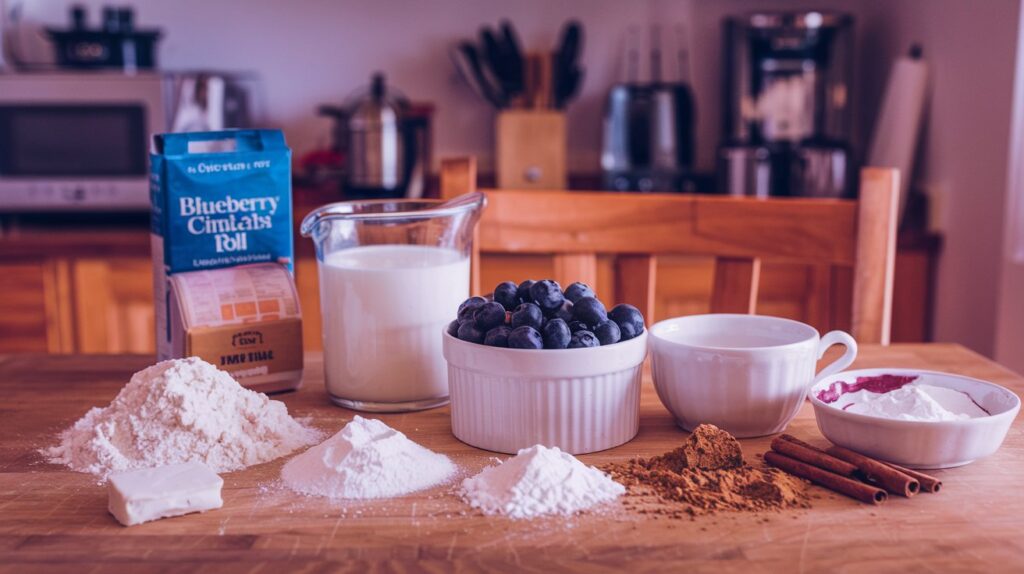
{"x": 580, "y": 400}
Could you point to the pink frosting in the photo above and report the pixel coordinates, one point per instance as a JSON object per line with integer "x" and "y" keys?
{"x": 874, "y": 384}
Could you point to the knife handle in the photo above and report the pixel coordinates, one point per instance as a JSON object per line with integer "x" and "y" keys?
{"x": 540, "y": 81}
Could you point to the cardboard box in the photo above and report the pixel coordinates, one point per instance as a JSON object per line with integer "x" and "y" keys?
{"x": 219, "y": 200}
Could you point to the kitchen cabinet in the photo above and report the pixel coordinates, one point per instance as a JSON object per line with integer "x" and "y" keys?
{"x": 75, "y": 291}
{"x": 77, "y": 305}
{"x": 113, "y": 305}
{"x": 35, "y": 313}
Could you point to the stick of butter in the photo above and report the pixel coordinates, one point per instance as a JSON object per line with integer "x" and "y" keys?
{"x": 138, "y": 496}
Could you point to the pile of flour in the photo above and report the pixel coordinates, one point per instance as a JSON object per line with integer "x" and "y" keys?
{"x": 539, "y": 481}
{"x": 179, "y": 411}
{"x": 366, "y": 459}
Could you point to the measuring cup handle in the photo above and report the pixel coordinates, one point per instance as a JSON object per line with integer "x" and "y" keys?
{"x": 836, "y": 338}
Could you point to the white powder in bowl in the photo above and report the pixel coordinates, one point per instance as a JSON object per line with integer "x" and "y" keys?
{"x": 914, "y": 402}
{"x": 539, "y": 481}
{"x": 366, "y": 459}
{"x": 177, "y": 411}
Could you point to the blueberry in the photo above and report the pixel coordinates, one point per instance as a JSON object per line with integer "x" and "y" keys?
{"x": 564, "y": 312}
{"x": 583, "y": 339}
{"x": 468, "y": 307}
{"x": 488, "y": 316}
{"x": 556, "y": 334}
{"x": 547, "y": 294}
{"x": 577, "y": 291}
{"x": 629, "y": 319}
{"x": 525, "y": 337}
{"x": 578, "y": 326}
{"x": 506, "y": 294}
{"x": 468, "y": 332}
{"x": 497, "y": 337}
{"x": 453, "y": 328}
{"x": 527, "y": 314}
{"x": 608, "y": 333}
{"x": 590, "y": 311}
{"x": 523, "y": 291}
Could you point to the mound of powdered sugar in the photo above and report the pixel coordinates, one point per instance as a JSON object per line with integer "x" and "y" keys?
{"x": 539, "y": 481}
{"x": 366, "y": 459}
{"x": 180, "y": 411}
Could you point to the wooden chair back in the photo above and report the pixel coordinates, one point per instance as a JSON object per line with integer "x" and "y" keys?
{"x": 576, "y": 226}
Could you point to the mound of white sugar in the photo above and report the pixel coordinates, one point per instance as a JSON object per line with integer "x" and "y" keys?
{"x": 366, "y": 459}
{"x": 179, "y": 411}
{"x": 539, "y": 481}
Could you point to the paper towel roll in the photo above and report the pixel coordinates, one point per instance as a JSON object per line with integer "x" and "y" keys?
{"x": 895, "y": 139}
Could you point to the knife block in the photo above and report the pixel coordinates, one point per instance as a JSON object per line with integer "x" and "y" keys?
{"x": 531, "y": 149}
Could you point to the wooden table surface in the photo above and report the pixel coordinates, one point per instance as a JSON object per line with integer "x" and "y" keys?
{"x": 51, "y": 518}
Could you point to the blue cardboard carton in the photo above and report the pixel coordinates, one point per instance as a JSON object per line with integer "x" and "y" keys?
{"x": 219, "y": 199}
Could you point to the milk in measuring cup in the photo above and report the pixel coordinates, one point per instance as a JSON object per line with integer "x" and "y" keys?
{"x": 384, "y": 309}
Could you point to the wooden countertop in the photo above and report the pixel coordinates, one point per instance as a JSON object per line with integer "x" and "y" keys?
{"x": 52, "y": 518}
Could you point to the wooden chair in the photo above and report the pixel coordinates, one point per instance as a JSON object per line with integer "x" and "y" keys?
{"x": 740, "y": 233}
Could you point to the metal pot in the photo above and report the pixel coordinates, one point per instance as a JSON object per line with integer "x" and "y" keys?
{"x": 379, "y": 139}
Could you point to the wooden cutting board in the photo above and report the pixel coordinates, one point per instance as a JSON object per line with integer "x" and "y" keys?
{"x": 51, "y": 518}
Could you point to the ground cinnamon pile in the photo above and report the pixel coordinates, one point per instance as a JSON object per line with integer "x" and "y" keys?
{"x": 711, "y": 448}
{"x": 705, "y": 475}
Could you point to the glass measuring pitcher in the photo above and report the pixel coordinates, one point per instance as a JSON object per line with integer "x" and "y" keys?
{"x": 392, "y": 276}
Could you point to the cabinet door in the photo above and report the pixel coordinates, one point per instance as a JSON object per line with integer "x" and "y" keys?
{"x": 35, "y": 309}
{"x": 113, "y": 302}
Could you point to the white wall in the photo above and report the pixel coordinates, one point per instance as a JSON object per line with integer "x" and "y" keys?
{"x": 1010, "y": 322}
{"x": 314, "y": 51}
{"x": 971, "y": 47}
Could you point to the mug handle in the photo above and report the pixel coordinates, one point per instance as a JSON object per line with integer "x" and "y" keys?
{"x": 836, "y": 338}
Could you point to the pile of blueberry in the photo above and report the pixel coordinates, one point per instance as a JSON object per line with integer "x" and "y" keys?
{"x": 539, "y": 315}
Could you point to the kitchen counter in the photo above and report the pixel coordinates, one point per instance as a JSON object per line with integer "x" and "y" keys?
{"x": 53, "y": 518}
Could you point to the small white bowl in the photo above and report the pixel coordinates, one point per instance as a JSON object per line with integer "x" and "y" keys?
{"x": 580, "y": 400}
{"x": 920, "y": 444}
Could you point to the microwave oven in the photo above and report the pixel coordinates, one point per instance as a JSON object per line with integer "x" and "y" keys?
{"x": 77, "y": 141}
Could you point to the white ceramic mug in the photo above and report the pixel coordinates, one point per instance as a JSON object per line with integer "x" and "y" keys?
{"x": 747, "y": 374}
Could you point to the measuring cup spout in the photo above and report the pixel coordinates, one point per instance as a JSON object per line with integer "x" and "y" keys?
{"x": 387, "y": 209}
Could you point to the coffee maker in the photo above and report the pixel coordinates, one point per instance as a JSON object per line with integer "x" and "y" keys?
{"x": 786, "y": 124}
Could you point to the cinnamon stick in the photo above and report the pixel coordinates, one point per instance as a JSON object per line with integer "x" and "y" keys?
{"x": 798, "y": 449}
{"x": 846, "y": 486}
{"x": 928, "y": 483}
{"x": 879, "y": 473}
{"x": 792, "y": 438}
